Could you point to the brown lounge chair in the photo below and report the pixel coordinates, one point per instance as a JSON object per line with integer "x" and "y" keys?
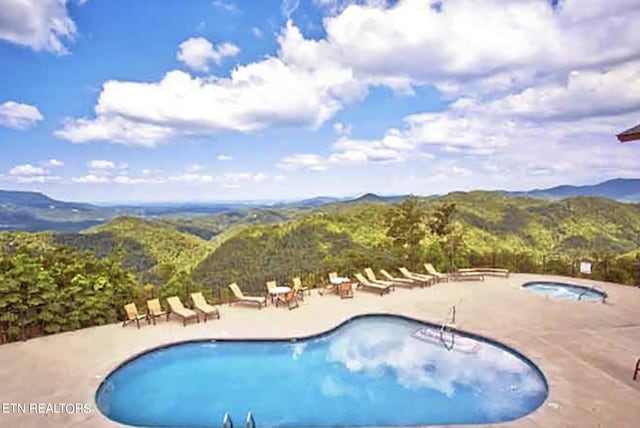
{"x": 241, "y": 298}
{"x": 154, "y": 309}
{"x": 200, "y": 304}
{"x": 374, "y": 286}
{"x": 300, "y": 290}
{"x": 424, "y": 280}
{"x": 289, "y": 299}
{"x": 402, "y": 282}
{"x": 133, "y": 316}
{"x": 176, "y": 307}
{"x": 405, "y": 282}
{"x": 441, "y": 277}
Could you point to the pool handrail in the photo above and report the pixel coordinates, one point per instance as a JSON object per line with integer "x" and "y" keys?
{"x": 251, "y": 423}
{"x": 226, "y": 421}
{"x": 594, "y": 288}
{"x": 451, "y": 314}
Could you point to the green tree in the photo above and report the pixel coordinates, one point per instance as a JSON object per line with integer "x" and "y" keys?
{"x": 406, "y": 230}
{"x": 449, "y": 234}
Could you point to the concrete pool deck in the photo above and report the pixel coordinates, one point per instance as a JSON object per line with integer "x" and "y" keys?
{"x": 587, "y": 351}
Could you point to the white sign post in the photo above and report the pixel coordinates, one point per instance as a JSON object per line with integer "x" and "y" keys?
{"x": 585, "y": 267}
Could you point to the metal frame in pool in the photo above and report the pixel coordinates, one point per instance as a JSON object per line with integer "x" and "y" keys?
{"x": 603, "y": 294}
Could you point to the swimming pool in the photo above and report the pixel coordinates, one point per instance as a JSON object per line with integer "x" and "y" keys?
{"x": 371, "y": 370}
{"x": 564, "y": 291}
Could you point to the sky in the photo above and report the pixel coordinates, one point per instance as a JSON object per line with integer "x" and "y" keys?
{"x": 204, "y": 100}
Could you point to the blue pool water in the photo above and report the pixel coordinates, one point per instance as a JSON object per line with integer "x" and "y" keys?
{"x": 566, "y": 291}
{"x": 372, "y": 370}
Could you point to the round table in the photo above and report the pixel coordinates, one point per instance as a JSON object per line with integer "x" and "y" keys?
{"x": 276, "y": 291}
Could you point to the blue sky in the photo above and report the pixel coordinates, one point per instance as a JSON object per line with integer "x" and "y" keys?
{"x": 140, "y": 100}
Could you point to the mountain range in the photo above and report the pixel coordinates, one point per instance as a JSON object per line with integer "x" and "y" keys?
{"x": 33, "y": 211}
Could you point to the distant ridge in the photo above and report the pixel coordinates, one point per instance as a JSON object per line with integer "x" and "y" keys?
{"x": 620, "y": 189}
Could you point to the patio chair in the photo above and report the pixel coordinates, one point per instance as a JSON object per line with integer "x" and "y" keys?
{"x": 154, "y": 310}
{"x": 176, "y": 307}
{"x": 402, "y": 282}
{"x": 374, "y": 286}
{"x": 270, "y": 286}
{"x": 441, "y": 277}
{"x": 345, "y": 290}
{"x": 300, "y": 289}
{"x": 200, "y": 304}
{"x": 133, "y": 316}
{"x": 424, "y": 280}
{"x": 289, "y": 299}
{"x": 241, "y": 298}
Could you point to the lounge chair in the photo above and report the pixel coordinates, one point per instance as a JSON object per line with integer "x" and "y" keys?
{"x": 486, "y": 271}
{"x": 241, "y": 298}
{"x": 133, "y": 316}
{"x": 466, "y": 275}
{"x": 176, "y": 307}
{"x": 289, "y": 299}
{"x": 371, "y": 276}
{"x": 406, "y": 282}
{"x": 378, "y": 287}
{"x": 200, "y": 304}
{"x": 300, "y": 289}
{"x": 155, "y": 310}
{"x": 441, "y": 277}
{"x": 424, "y": 280}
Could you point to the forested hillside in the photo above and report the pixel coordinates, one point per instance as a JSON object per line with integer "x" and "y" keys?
{"x": 131, "y": 258}
{"x": 523, "y": 234}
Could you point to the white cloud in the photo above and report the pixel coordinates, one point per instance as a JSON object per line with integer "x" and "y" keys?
{"x": 250, "y": 100}
{"x": 101, "y": 164}
{"x": 115, "y": 129}
{"x": 192, "y": 178}
{"x": 590, "y": 93}
{"x": 482, "y": 49}
{"x": 38, "y": 24}
{"x": 194, "y": 168}
{"x": 224, "y": 158}
{"x": 197, "y": 53}
{"x": 227, "y": 6}
{"x": 414, "y": 42}
{"x": 26, "y": 170}
{"x": 309, "y": 161}
{"x": 288, "y": 7}
{"x": 279, "y": 178}
{"x": 125, "y": 179}
{"x": 236, "y": 178}
{"x": 28, "y": 173}
{"x": 342, "y": 129}
{"x": 91, "y": 179}
{"x": 54, "y": 163}
{"x": 17, "y": 115}
{"x": 257, "y": 33}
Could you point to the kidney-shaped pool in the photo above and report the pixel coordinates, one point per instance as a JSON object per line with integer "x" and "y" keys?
{"x": 374, "y": 370}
